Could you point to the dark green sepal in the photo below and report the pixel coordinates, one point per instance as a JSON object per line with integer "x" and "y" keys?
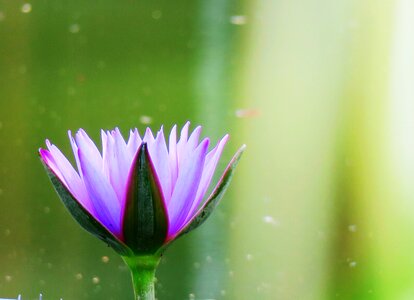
{"x": 145, "y": 221}
{"x": 83, "y": 217}
{"x": 216, "y": 195}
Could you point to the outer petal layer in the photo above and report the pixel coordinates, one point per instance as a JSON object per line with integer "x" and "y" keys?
{"x": 84, "y": 218}
{"x": 186, "y": 187}
{"x": 106, "y": 206}
{"x": 67, "y": 174}
{"x": 208, "y": 172}
{"x": 214, "y": 199}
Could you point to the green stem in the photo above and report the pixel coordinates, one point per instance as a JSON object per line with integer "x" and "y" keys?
{"x": 143, "y": 275}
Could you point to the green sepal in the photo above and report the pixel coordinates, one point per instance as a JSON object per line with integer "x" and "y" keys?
{"x": 145, "y": 219}
{"x": 215, "y": 197}
{"x": 83, "y": 217}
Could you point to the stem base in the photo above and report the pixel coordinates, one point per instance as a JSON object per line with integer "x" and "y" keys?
{"x": 143, "y": 275}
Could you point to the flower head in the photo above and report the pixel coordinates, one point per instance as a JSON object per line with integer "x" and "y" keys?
{"x": 139, "y": 195}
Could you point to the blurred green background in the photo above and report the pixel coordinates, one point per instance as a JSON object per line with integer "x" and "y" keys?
{"x": 322, "y": 92}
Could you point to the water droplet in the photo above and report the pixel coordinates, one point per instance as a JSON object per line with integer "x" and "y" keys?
{"x": 223, "y": 292}
{"x": 95, "y": 280}
{"x": 191, "y": 296}
{"x": 231, "y": 273}
{"x": 352, "y": 264}
{"x": 156, "y": 14}
{"x": 78, "y": 276}
{"x": 8, "y": 278}
{"x": 105, "y": 259}
{"x": 352, "y": 228}
{"x": 145, "y": 120}
{"x": 270, "y": 220}
{"x": 247, "y": 113}
{"x": 46, "y": 209}
{"x": 209, "y": 259}
{"x": 74, "y": 28}
{"x": 26, "y": 8}
{"x": 238, "y": 20}
{"x": 196, "y": 265}
{"x": 249, "y": 257}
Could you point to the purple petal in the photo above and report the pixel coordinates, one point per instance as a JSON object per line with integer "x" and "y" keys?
{"x": 159, "y": 156}
{"x": 75, "y": 151}
{"x": 186, "y": 188}
{"x": 172, "y": 152}
{"x": 88, "y": 149}
{"x": 133, "y": 143}
{"x": 107, "y": 152}
{"x": 123, "y": 164}
{"x": 50, "y": 162}
{"x": 182, "y": 142}
{"x": 148, "y": 137}
{"x": 104, "y": 200}
{"x": 193, "y": 140}
{"x": 210, "y": 165}
{"x": 116, "y": 162}
{"x": 189, "y": 146}
{"x": 212, "y": 201}
{"x": 72, "y": 179}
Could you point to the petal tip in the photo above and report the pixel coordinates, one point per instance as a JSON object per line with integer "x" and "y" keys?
{"x": 42, "y": 153}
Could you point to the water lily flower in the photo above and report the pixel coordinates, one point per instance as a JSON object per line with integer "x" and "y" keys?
{"x": 139, "y": 195}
